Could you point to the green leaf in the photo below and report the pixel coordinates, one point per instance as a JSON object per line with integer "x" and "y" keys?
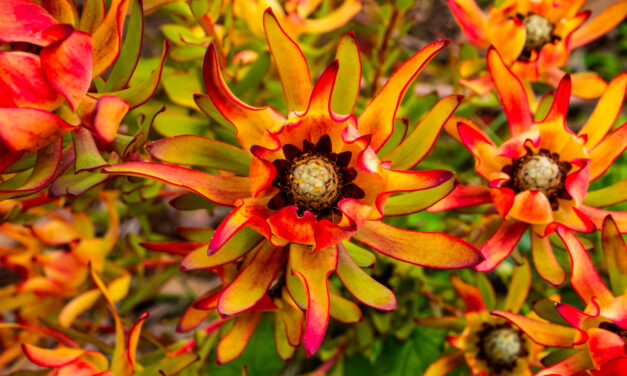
{"x": 411, "y": 357}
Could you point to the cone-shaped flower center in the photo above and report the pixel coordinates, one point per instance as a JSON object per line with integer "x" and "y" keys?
{"x": 539, "y": 172}
{"x": 500, "y": 346}
{"x": 313, "y": 179}
{"x": 539, "y": 32}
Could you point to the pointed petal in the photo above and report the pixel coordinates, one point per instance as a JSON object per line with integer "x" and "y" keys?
{"x": 237, "y": 246}
{"x": 235, "y": 340}
{"x": 469, "y": 294}
{"x": 541, "y": 332}
{"x": 583, "y": 276}
{"x": 106, "y": 39}
{"x": 344, "y": 310}
{"x": 24, "y": 21}
{"x": 573, "y": 365}
{"x": 599, "y": 24}
{"x": 518, "y": 287}
{"x": 501, "y": 244}
{"x": 313, "y": 269}
{"x": 605, "y": 346}
{"x": 329, "y": 234}
{"x": 362, "y": 286}
{"x": 609, "y": 195}
{"x": 288, "y": 225}
{"x": 559, "y": 106}
{"x": 598, "y": 215}
{"x": 133, "y": 338}
{"x": 512, "y": 94}
{"x": 52, "y": 358}
{"x": 67, "y": 64}
{"x": 223, "y": 190}
{"x": 577, "y": 319}
{"x": 615, "y": 252}
{"x": 290, "y": 62}
{"x": 480, "y": 145}
{"x": 545, "y": 261}
{"x": 320, "y": 101}
{"x": 333, "y": 20}
{"x": 472, "y": 21}
{"x": 378, "y": 118}
{"x": 246, "y": 213}
{"x": 436, "y": 250}
{"x": 416, "y": 146}
{"x": 462, "y": 196}
{"x": 251, "y": 123}
{"x": 446, "y": 364}
{"x": 414, "y": 202}
{"x": 253, "y": 281}
{"x": 607, "y": 150}
{"x": 532, "y": 207}
{"x": 606, "y": 111}
{"x": 348, "y": 79}
{"x": 508, "y": 37}
{"x": 29, "y": 129}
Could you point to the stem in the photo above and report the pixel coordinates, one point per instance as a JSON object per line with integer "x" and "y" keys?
{"x": 383, "y": 49}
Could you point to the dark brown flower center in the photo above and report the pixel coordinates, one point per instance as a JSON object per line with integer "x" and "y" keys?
{"x": 540, "y": 171}
{"x": 20, "y": 46}
{"x": 539, "y": 32}
{"x": 314, "y": 179}
{"x": 500, "y": 346}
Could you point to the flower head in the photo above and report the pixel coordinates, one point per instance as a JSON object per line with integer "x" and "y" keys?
{"x": 539, "y": 177}
{"x": 535, "y": 38}
{"x": 311, "y": 181}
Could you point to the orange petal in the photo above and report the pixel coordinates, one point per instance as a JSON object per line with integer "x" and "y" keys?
{"x": 253, "y": 281}
{"x": 237, "y": 246}
{"x": 362, "y": 286}
{"x": 436, "y": 250}
{"x": 29, "y": 129}
{"x": 446, "y": 364}
{"x": 559, "y": 106}
{"x": 251, "y": 123}
{"x": 288, "y": 225}
{"x": 518, "y": 287}
{"x": 246, "y": 213}
{"x": 67, "y": 64}
{"x": 107, "y": 116}
{"x": 463, "y": 196}
{"x": 235, "y": 340}
{"x": 52, "y": 358}
{"x": 313, "y": 269}
{"x": 469, "y": 294}
{"x": 320, "y": 101}
{"x": 24, "y": 21}
{"x": 605, "y": 346}
{"x": 599, "y": 24}
{"x": 290, "y": 62}
{"x": 583, "y": 277}
{"x": 223, "y": 190}
{"x": 545, "y": 261}
{"x": 106, "y": 39}
{"x": 133, "y": 338}
{"x": 512, "y": 93}
{"x": 472, "y": 21}
{"x": 378, "y": 118}
{"x": 508, "y": 37}
{"x": 588, "y": 85}
{"x": 606, "y": 112}
{"x": 606, "y": 151}
{"x": 541, "y": 332}
{"x": 501, "y": 244}
{"x": 532, "y": 207}
{"x": 552, "y": 55}
{"x": 484, "y": 150}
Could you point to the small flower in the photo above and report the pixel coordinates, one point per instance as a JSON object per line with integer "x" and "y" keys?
{"x": 535, "y": 38}
{"x": 308, "y": 183}
{"x": 598, "y": 334}
{"x": 488, "y": 344}
{"x": 539, "y": 177}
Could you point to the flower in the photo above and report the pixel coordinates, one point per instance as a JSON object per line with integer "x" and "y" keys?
{"x": 540, "y": 176}
{"x": 309, "y": 182}
{"x": 535, "y": 38}
{"x": 488, "y": 344}
{"x": 599, "y": 332}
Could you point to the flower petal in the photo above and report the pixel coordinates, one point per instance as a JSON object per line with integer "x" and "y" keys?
{"x": 106, "y": 39}
{"x": 587, "y": 85}
{"x": 598, "y": 215}
{"x": 237, "y": 246}
{"x": 24, "y": 21}
{"x": 469, "y": 294}
{"x": 609, "y": 195}
{"x": 599, "y": 24}
{"x": 52, "y": 358}
{"x": 573, "y": 365}
{"x": 348, "y": 79}
{"x": 541, "y": 332}
{"x": 472, "y": 21}
{"x": 605, "y": 346}
{"x": 420, "y": 141}
{"x": 508, "y": 37}
{"x": 413, "y": 202}
{"x": 545, "y": 261}
{"x": 430, "y": 249}
{"x": 615, "y": 252}
{"x": 29, "y": 129}
{"x": 288, "y": 225}
{"x": 362, "y": 286}
{"x": 313, "y": 269}
{"x": 518, "y": 287}
{"x": 251, "y": 123}
{"x": 133, "y": 338}
{"x": 583, "y": 276}
{"x": 223, "y": 190}
{"x": 67, "y": 64}
{"x": 320, "y": 101}
{"x": 512, "y": 93}
{"x": 246, "y": 213}
{"x": 107, "y": 116}
{"x": 532, "y": 207}
{"x": 290, "y": 62}
{"x": 329, "y": 234}
{"x": 235, "y": 340}
{"x": 200, "y": 151}
{"x": 378, "y": 118}
{"x": 607, "y": 150}
{"x": 253, "y": 280}
{"x": 577, "y": 319}
{"x": 446, "y": 364}
{"x": 462, "y": 196}
{"x": 501, "y": 244}
{"x": 559, "y": 106}
{"x": 606, "y": 112}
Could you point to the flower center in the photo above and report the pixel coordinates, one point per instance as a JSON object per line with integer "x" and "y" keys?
{"x": 313, "y": 181}
{"x": 539, "y": 31}
{"x": 540, "y": 171}
{"x": 501, "y": 345}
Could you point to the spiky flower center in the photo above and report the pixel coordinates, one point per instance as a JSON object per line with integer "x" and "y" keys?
{"x": 540, "y": 173}
{"x": 500, "y": 346}
{"x": 539, "y": 31}
{"x": 314, "y": 178}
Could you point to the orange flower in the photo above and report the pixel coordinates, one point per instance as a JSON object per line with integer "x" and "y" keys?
{"x": 599, "y": 333}
{"x": 535, "y": 38}
{"x": 309, "y": 182}
{"x": 539, "y": 177}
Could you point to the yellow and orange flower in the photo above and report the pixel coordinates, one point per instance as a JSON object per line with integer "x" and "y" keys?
{"x": 535, "y": 38}
{"x": 488, "y": 344}
{"x": 540, "y": 176}
{"x": 599, "y": 333}
{"x": 309, "y": 182}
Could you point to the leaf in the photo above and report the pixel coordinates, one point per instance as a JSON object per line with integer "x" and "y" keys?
{"x": 411, "y": 357}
